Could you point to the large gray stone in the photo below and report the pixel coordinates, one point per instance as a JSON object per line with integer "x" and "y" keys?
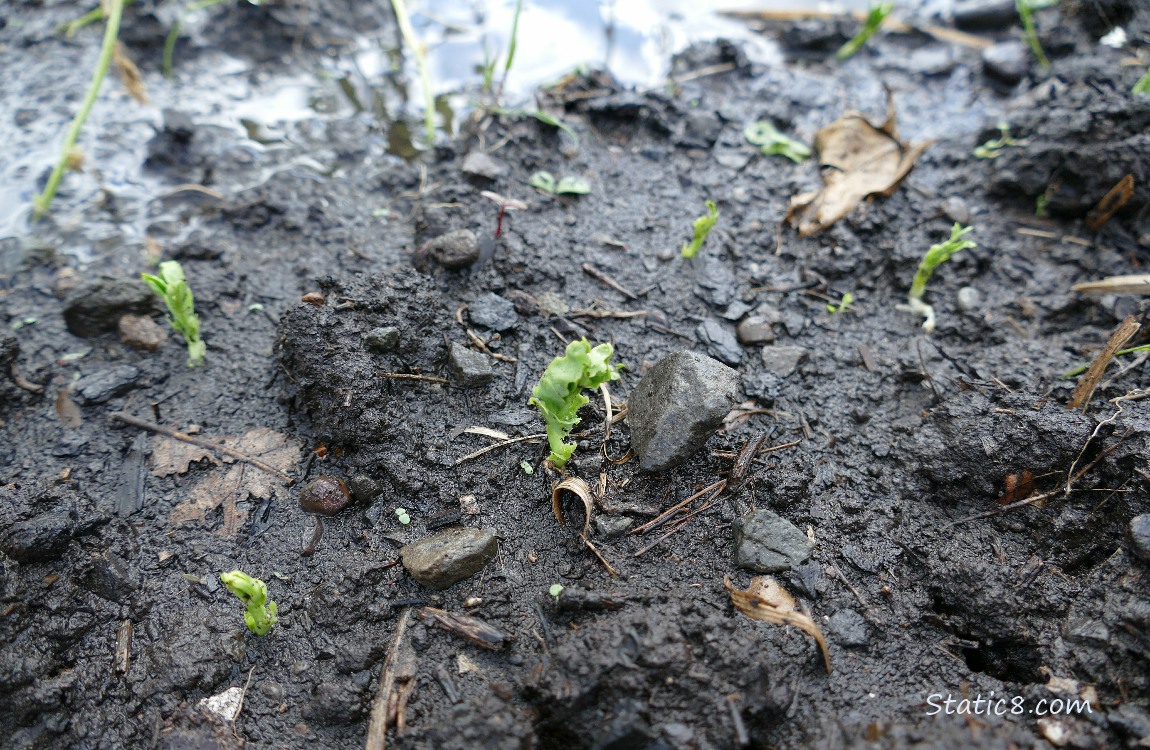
{"x": 454, "y": 250}
{"x": 493, "y": 312}
{"x": 469, "y": 368}
{"x": 1008, "y": 61}
{"x": 1138, "y": 535}
{"x": 382, "y": 340}
{"x": 449, "y": 556}
{"x": 483, "y": 166}
{"x": 768, "y": 543}
{"x": 104, "y": 385}
{"x": 783, "y": 360}
{"x": 96, "y": 306}
{"x": 676, "y": 407}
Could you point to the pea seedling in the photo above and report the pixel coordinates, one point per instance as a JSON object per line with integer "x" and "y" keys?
{"x": 559, "y": 392}
{"x": 843, "y": 306}
{"x": 546, "y": 182}
{"x": 994, "y": 147}
{"x": 171, "y": 286}
{"x": 555, "y": 590}
{"x": 876, "y": 14}
{"x": 768, "y": 138}
{"x": 1143, "y": 85}
{"x": 935, "y": 256}
{"x": 703, "y": 226}
{"x": 402, "y": 517}
{"x": 259, "y": 613}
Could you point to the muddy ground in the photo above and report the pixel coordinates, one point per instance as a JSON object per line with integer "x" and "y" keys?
{"x": 114, "y": 624}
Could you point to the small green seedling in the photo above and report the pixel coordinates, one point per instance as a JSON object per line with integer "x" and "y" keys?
{"x": 555, "y": 590}
{"x": 935, "y": 256}
{"x": 546, "y": 182}
{"x": 843, "y": 306}
{"x": 1040, "y": 206}
{"x": 703, "y": 226}
{"x": 1026, "y": 10}
{"x": 527, "y": 468}
{"x": 559, "y": 392}
{"x": 767, "y": 137}
{"x": 260, "y": 614}
{"x": 1120, "y": 353}
{"x": 171, "y": 285}
{"x": 875, "y": 16}
{"x": 402, "y": 517}
{"x": 1143, "y": 85}
{"x": 995, "y": 146}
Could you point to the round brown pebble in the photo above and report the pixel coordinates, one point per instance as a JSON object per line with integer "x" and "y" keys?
{"x": 141, "y": 332}
{"x": 324, "y": 495}
{"x": 314, "y": 298}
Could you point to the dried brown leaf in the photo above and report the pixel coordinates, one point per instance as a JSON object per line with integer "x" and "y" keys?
{"x": 171, "y": 456}
{"x": 767, "y": 601}
{"x": 579, "y": 488}
{"x": 66, "y": 409}
{"x": 1093, "y": 375}
{"x": 857, "y": 160}
{"x": 467, "y": 627}
{"x": 241, "y": 480}
{"x": 129, "y": 74}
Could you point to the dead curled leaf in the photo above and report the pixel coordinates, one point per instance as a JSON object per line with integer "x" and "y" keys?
{"x": 857, "y": 161}
{"x": 241, "y": 480}
{"x": 579, "y": 488}
{"x": 767, "y": 601}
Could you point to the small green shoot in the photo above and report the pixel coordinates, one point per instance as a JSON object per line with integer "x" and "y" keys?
{"x": 419, "y": 53}
{"x": 843, "y": 306}
{"x": 546, "y": 182}
{"x": 767, "y": 137}
{"x": 173, "y": 288}
{"x": 1026, "y": 10}
{"x": 875, "y": 16}
{"x": 177, "y": 26}
{"x": 22, "y": 323}
{"x": 1040, "y": 206}
{"x": 993, "y": 148}
{"x": 259, "y": 613}
{"x": 42, "y": 201}
{"x": 539, "y": 115}
{"x": 703, "y": 226}
{"x": 1143, "y": 85}
{"x": 935, "y": 256}
{"x": 559, "y": 392}
{"x": 1120, "y": 353}
{"x": 528, "y": 469}
{"x": 555, "y": 590}
{"x": 402, "y": 517}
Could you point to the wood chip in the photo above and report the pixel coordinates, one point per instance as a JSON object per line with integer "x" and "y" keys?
{"x": 1138, "y": 283}
{"x": 1111, "y": 203}
{"x": 771, "y": 603}
{"x": 1090, "y": 379}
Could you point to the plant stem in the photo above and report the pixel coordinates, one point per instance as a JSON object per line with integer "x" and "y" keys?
{"x": 408, "y": 33}
{"x": 1026, "y": 14}
{"x": 111, "y": 31}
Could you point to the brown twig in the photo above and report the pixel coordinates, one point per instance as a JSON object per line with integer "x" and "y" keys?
{"x": 1089, "y": 380}
{"x": 405, "y": 376}
{"x": 377, "y": 728}
{"x": 658, "y": 520}
{"x": 210, "y": 445}
{"x": 705, "y": 506}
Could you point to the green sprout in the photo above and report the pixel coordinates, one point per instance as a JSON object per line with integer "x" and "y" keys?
{"x": 1026, "y": 10}
{"x": 935, "y": 256}
{"x": 1143, "y": 85}
{"x": 559, "y": 392}
{"x": 402, "y": 517}
{"x": 418, "y": 52}
{"x": 555, "y": 590}
{"x": 703, "y": 226}
{"x": 260, "y": 614}
{"x": 843, "y": 306}
{"x": 1040, "y": 206}
{"x": 766, "y": 136}
{"x": 528, "y": 469}
{"x": 42, "y": 201}
{"x": 546, "y": 182}
{"x": 876, "y": 14}
{"x": 1120, "y": 353}
{"x": 177, "y": 295}
{"x": 993, "y": 148}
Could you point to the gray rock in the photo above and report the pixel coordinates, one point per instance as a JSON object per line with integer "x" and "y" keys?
{"x": 469, "y": 369}
{"x": 984, "y": 14}
{"x": 848, "y": 628}
{"x": 364, "y": 489}
{"x": 969, "y": 299}
{"x": 449, "y": 556}
{"x": 795, "y": 323}
{"x": 493, "y": 312}
{"x": 1007, "y": 61}
{"x": 96, "y": 306}
{"x": 104, "y": 385}
{"x": 736, "y": 310}
{"x": 716, "y": 281}
{"x": 142, "y": 333}
{"x": 783, "y": 360}
{"x": 956, "y": 209}
{"x": 701, "y": 129}
{"x": 382, "y": 340}
{"x": 720, "y": 342}
{"x": 768, "y": 543}
{"x": 677, "y": 405}
{"x": 479, "y": 164}
{"x": 1138, "y": 534}
{"x": 455, "y": 250}
{"x": 612, "y": 527}
{"x": 40, "y": 539}
{"x": 755, "y": 329}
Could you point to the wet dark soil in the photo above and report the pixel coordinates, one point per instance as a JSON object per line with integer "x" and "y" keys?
{"x": 114, "y": 623}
